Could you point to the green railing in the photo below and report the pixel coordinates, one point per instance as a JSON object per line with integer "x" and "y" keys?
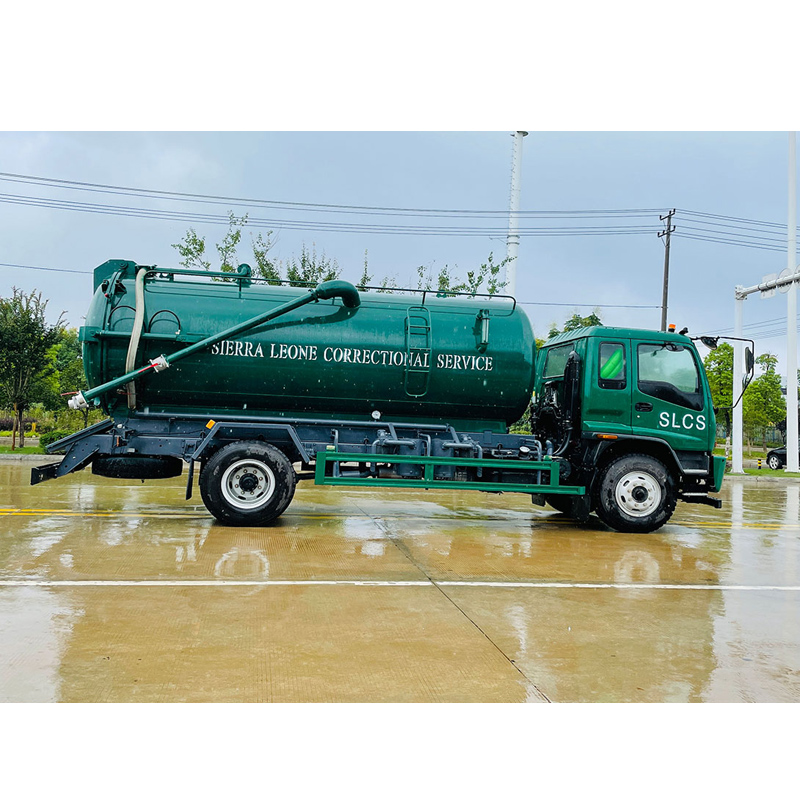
{"x": 427, "y": 481}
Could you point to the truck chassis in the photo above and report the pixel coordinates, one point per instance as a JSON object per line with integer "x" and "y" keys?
{"x": 331, "y": 452}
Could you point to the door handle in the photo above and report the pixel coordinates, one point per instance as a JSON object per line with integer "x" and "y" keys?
{"x": 644, "y": 406}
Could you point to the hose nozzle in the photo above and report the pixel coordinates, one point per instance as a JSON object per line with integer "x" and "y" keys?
{"x": 77, "y": 402}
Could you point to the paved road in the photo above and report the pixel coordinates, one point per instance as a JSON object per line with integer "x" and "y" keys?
{"x": 125, "y": 592}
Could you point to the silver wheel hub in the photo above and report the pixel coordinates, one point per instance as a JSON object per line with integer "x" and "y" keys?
{"x": 248, "y": 484}
{"x": 637, "y": 493}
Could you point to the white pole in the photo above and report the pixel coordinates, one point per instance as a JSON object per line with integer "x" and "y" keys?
{"x": 736, "y": 389}
{"x": 512, "y": 240}
{"x": 791, "y": 315}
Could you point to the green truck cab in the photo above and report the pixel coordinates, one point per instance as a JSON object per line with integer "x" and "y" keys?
{"x": 628, "y": 413}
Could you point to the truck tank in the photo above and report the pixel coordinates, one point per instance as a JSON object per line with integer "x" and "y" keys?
{"x": 407, "y": 356}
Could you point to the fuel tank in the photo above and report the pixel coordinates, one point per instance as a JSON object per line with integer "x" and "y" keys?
{"x": 407, "y": 356}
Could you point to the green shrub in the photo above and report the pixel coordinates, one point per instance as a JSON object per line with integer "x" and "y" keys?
{"x": 53, "y": 436}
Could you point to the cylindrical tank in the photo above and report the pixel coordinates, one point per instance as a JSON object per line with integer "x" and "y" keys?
{"x": 404, "y": 355}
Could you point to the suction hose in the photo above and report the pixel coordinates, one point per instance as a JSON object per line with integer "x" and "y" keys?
{"x": 136, "y": 335}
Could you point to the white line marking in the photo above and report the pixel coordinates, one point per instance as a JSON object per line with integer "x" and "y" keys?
{"x": 444, "y": 584}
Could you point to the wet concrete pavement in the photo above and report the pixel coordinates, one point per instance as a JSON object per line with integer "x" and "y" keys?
{"x": 114, "y": 591}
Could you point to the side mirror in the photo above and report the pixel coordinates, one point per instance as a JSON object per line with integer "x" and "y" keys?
{"x": 749, "y": 363}
{"x": 710, "y": 342}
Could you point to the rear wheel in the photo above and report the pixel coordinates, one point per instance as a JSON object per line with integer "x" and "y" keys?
{"x": 247, "y": 483}
{"x": 636, "y": 494}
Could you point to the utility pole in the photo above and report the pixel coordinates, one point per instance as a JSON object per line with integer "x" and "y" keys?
{"x": 512, "y": 240}
{"x": 668, "y": 229}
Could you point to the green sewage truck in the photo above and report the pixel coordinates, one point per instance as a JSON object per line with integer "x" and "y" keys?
{"x": 242, "y": 380}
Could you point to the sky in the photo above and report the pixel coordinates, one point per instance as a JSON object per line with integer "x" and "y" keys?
{"x": 645, "y": 174}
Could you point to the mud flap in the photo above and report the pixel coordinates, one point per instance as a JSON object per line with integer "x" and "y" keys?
{"x": 581, "y": 508}
{"x": 189, "y": 480}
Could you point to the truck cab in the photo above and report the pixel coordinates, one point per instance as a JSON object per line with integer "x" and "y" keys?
{"x": 629, "y": 415}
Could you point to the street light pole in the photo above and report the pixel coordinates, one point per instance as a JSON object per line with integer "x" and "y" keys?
{"x": 512, "y": 240}
{"x": 791, "y": 315}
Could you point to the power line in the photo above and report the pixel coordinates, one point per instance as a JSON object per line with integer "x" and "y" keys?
{"x": 733, "y": 235}
{"x": 191, "y": 196}
{"x": 732, "y": 219}
{"x": 364, "y": 228}
{"x": 728, "y": 241}
{"x": 581, "y": 305}
{"x": 713, "y": 225}
{"x": 733, "y": 231}
{"x": 46, "y": 269}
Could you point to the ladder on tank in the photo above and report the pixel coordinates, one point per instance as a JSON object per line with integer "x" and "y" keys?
{"x": 418, "y": 351}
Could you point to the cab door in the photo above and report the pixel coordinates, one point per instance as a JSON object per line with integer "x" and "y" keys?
{"x": 607, "y": 387}
{"x": 668, "y": 395}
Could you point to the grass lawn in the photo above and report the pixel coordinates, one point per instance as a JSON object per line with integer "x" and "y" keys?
{"x": 720, "y": 451}
{"x": 21, "y": 450}
{"x": 771, "y": 473}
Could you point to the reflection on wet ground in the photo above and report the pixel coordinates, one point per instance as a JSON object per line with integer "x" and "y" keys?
{"x": 125, "y": 592}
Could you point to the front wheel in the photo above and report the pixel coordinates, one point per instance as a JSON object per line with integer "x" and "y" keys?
{"x": 247, "y": 483}
{"x": 636, "y": 494}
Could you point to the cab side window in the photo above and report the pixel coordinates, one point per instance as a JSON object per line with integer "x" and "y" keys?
{"x": 669, "y": 372}
{"x": 557, "y": 361}
{"x": 612, "y": 366}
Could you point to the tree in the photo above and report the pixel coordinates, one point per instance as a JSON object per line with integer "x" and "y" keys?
{"x": 446, "y": 281}
{"x": 311, "y": 268}
{"x": 69, "y": 368}
{"x": 25, "y": 341}
{"x": 366, "y": 276}
{"x": 763, "y": 403}
{"x": 719, "y": 370}
{"x": 192, "y": 248}
{"x": 230, "y": 241}
{"x": 266, "y": 267}
{"x": 574, "y": 322}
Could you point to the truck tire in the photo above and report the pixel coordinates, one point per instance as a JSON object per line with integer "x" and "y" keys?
{"x": 137, "y": 467}
{"x": 247, "y": 483}
{"x": 636, "y": 494}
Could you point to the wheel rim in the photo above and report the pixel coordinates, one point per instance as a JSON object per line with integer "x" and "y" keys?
{"x": 638, "y": 494}
{"x": 248, "y": 484}
{"x": 774, "y": 463}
